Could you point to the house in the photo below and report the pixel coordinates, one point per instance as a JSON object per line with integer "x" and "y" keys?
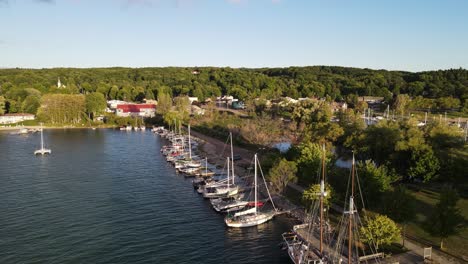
{"x": 15, "y": 118}
{"x": 193, "y": 99}
{"x": 136, "y": 110}
{"x": 225, "y": 101}
{"x": 112, "y": 104}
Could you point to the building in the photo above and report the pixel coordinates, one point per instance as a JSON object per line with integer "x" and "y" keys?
{"x": 150, "y": 101}
{"x": 226, "y": 101}
{"x": 15, "y": 118}
{"x": 136, "y": 110}
{"x": 112, "y": 104}
{"x": 193, "y": 99}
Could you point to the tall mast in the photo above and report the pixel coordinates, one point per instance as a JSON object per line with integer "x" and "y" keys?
{"x": 228, "y": 172}
{"x": 322, "y": 193}
{"x": 42, "y": 137}
{"x": 189, "y": 143}
{"x": 351, "y": 212}
{"x": 232, "y": 158}
{"x": 255, "y": 184}
{"x": 206, "y": 166}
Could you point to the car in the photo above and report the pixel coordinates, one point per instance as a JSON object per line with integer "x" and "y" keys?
{"x": 237, "y": 157}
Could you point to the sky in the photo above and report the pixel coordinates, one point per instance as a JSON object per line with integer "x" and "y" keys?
{"x": 410, "y": 35}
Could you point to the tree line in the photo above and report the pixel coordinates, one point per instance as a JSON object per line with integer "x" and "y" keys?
{"x": 22, "y": 88}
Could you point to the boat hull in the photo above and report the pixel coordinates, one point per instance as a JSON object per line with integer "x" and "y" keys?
{"x": 254, "y": 221}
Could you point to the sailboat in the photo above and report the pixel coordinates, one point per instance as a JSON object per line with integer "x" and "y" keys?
{"x": 252, "y": 216}
{"x": 221, "y": 189}
{"x": 348, "y": 246}
{"x": 298, "y": 242}
{"x": 42, "y": 150}
{"x": 191, "y": 163}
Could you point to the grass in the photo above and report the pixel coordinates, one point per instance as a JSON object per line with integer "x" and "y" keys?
{"x": 425, "y": 201}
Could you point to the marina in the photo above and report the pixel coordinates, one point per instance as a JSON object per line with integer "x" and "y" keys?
{"x": 106, "y": 196}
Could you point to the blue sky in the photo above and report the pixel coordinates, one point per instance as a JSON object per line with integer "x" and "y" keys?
{"x": 408, "y": 35}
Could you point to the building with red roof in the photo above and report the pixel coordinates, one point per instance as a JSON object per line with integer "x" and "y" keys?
{"x": 140, "y": 110}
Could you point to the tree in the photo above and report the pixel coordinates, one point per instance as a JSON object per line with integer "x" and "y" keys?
{"x": 401, "y": 103}
{"x": 31, "y": 104}
{"x": 62, "y": 108}
{"x": 313, "y": 194}
{"x": 379, "y": 231}
{"x": 446, "y": 218}
{"x": 424, "y": 165}
{"x": 400, "y": 206}
{"x": 375, "y": 181}
{"x": 164, "y": 102}
{"x": 2, "y": 105}
{"x": 283, "y": 173}
{"x": 95, "y": 104}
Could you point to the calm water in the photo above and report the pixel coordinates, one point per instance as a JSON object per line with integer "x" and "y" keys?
{"x": 107, "y": 196}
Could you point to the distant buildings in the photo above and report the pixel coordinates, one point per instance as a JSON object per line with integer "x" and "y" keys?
{"x": 15, "y": 118}
{"x": 226, "y": 101}
{"x": 136, "y": 110}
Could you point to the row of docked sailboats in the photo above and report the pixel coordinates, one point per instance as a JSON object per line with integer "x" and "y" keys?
{"x": 316, "y": 243}
{"x": 227, "y": 193}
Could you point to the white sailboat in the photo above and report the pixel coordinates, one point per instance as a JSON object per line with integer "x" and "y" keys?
{"x": 221, "y": 189}
{"x": 42, "y": 150}
{"x": 252, "y": 216}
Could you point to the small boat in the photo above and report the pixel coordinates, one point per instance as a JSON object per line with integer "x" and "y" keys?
{"x": 23, "y": 131}
{"x": 42, "y": 150}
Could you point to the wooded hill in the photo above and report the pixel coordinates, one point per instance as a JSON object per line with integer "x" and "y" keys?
{"x": 134, "y": 84}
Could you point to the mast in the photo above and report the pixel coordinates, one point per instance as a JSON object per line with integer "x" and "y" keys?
{"x": 322, "y": 193}
{"x": 351, "y": 212}
{"x": 189, "y": 143}
{"x": 228, "y": 172}
{"x": 42, "y": 137}
{"x": 255, "y": 184}
{"x": 232, "y": 158}
{"x": 206, "y": 166}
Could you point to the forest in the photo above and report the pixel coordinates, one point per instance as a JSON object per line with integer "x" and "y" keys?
{"x": 21, "y": 89}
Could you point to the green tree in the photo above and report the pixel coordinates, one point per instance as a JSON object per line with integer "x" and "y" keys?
{"x": 95, "y": 104}
{"x": 31, "y": 104}
{"x": 164, "y": 102}
{"x": 446, "y": 219}
{"x": 379, "y": 231}
{"x": 283, "y": 173}
{"x": 401, "y": 103}
{"x": 375, "y": 181}
{"x": 400, "y": 205}
{"x": 312, "y": 194}
{"x": 2, "y": 105}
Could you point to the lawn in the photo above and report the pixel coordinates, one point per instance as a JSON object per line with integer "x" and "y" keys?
{"x": 425, "y": 201}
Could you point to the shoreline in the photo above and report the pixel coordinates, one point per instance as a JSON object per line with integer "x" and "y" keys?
{"x": 10, "y": 128}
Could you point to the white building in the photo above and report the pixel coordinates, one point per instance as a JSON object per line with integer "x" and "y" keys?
{"x": 112, "y": 104}
{"x": 136, "y": 110}
{"x": 15, "y": 118}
